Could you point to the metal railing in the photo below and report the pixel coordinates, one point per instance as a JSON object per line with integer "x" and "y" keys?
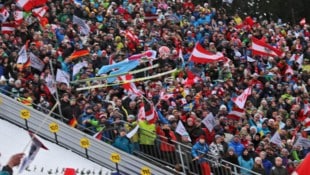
{"x": 70, "y": 138}
{"x": 178, "y": 161}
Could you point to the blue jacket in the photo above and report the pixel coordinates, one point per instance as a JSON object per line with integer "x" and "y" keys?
{"x": 267, "y": 166}
{"x": 238, "y": 147}
{"x": 123, "y": 143}
{"x": 245, "y": 164}
{"x": 199, "y": 149}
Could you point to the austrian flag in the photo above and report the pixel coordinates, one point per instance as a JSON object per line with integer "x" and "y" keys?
{"x": 261, "y": 48}
{"x": 241, "y": 99}
{"x": 201, "y": 55}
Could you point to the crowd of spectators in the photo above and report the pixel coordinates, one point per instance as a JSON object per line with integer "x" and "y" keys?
{"x": 279, "y": 102}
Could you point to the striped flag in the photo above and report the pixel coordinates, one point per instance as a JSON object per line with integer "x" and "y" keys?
{"x": 147, "y": 112}
{"x": 27, "y": 5}
{"x": 98, "y": 135}
{"x": 40, "y": 11}
{"x": 130, "y": 87}
{"x": 7, "y": 28}
{"x": 261, "y": 48}
{"x": 18, "y": 17}
{"x": 201, "y": 55}
{"x": 79, "y": 53}
{"x": 236, "y": 113}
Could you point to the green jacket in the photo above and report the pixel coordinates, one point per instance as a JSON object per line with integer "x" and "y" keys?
{"x": 147, "y": 133}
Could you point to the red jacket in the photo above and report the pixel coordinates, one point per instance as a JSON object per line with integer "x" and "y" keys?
{"x": 164, "y": 144}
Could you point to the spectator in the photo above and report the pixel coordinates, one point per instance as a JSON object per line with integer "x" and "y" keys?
{"x": 122, "y": 142}
{"x": 258, "y": 166}
{"x": 246, "y": 162}
{"x": 266, "y": 163}
{"x": 278, "y": 169}
{"x": 13, "y": 162}
{"x": 236, "y": 145}
{"x": 199, "y": 150}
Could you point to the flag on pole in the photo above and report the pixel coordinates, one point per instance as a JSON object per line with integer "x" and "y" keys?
{"x": 22, "y": 55}
{"x": 209, "y": 121}
{"x": 132, "y": 132}
{"x": 77, "y": 67}
{"x": 84, "y": 28}
{"x": 241, "y": 99}
{"x": 147, "y": 112}
{"x": 130, "y": 87}
{"x": 35, "y": 62}
{"x": 62, "y": 76}
{"x": 201, "y": 55}
{"x": 79, "y": 53}
{"x": 261, "y": 48}
{"x": 276, "y": 139}
{"x": 236, "y": 113}
{"x": 180, "y": 129}
{"x": 36, "y": 144}
{"x": 98, "y": 135}
{"x": 50, "y": 83}
{"x": 303, "y": 168}
{"x": 4, "y": 15}
{"x": 27, "y": 5}
{"x": 18, "y": 16}
{"x": 302, "y": 21}
{"x": 151, "y": 54}
{"x": 7, "y": 28}
{"x": 40, "y": 11}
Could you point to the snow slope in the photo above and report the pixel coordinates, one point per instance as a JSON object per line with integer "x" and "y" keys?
{"x": 14, "y": 139}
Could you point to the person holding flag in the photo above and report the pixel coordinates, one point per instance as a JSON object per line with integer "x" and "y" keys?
{"x": 14, "y": 161}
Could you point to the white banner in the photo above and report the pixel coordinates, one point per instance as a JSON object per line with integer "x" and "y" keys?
{"x": 304, "y": 142}
{"x": 22, "y": 55}
{"x": 62, "y": 76}
{"x": 77, "y": 67}
{"x": 36, "y": 62}
{"x": 276, "y": 139}
{"x": 132, "y": 132}
{"x": 209, "y": 121}
{"x": 85, "y": 29}
{"x": 51, "y": 84}
{"x": 181, "y": 130}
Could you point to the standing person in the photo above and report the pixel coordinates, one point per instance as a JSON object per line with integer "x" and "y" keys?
{"x": 230, "y": 158}
{"x": 122, "y": 142}
{"x": 258, "y": 166}
{"x": 266, "y": 163}
{"x": 246, "y": 162}
{"x": 199, "y": 150}
{"x": 167, "y": 143}
{"x": 278, "y": 169}
{"x": 236, "y": 144}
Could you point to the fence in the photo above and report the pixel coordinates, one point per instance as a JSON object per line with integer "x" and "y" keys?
{"x": 178, "y": 161}
{"x": 73, "y": 139}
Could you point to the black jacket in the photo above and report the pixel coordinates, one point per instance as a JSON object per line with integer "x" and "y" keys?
{"x": 278, "y": 171}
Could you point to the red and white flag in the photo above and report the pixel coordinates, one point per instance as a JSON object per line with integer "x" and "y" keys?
{"x": 7, "y": 28}
{"x": 98, "y": 135}
{"x": 130, "y": 87}
{"x": 4, "y": 14}
{"x": 236, "y": 113}
{"x": 164, "y": 96}
{"x": 303, "y": 168}
{"x": 201, "y": 55}
{"x": 27, "y": 5}
{"x": 298, "y": 59}
{"x": 18, "y": 17}
{"x": 302, "y": 21}
{"x": 34, "y": 149}
{"x": 132, "y": 37}
{"x": 150, "y": 54}
{"x": 261, "y": 48}
{"x": 147, "y": 112}
{"x": 191, "y": 79}
{"x": 289, "y": 70}
{"x": 241, "y": 99}
{"x": 40, "y": 11}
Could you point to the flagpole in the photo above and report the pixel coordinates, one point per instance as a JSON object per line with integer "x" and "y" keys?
{"x": 57, "y": 95}
{"x": 36, "y": 131}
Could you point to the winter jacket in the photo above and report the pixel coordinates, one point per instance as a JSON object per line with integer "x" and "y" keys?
{"x": 199, "y": 149}
{"x": 259, "y": 170}
{"x": 216, "y": 150}
{"x": 247, "y": 164}
{"x": 123, "y": 143}
{"x": 238, "y": 147}
{"x": 166, "y": 137}
{"x": 267, "y": 166}
{"x": 278, "y": 170}
{"x": 147, "y": 133}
